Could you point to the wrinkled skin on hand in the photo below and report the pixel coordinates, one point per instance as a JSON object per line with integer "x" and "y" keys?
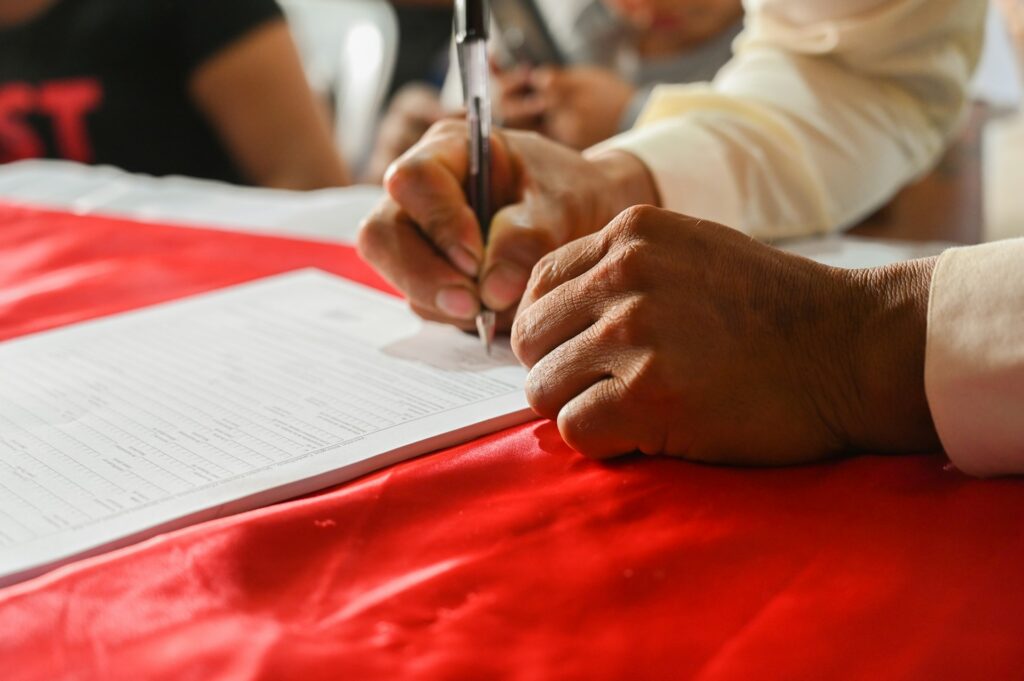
{"x": 670, "y": 335}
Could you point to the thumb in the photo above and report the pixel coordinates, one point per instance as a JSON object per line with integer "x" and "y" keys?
{"x": 518, "y": 239}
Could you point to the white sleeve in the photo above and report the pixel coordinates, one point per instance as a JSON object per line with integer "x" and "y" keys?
{"x": 825, "y": 111}
{"x": 974, "y": 358}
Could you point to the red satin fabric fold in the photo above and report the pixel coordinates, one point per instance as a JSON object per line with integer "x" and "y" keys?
{"x": 509, "y": 557}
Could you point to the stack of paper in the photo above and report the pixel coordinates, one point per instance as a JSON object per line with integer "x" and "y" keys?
{"x": 118, "y": 428}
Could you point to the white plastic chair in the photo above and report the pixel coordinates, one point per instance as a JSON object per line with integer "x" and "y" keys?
{"x": 998, "y": 79}
{"x": 348, "y": 50}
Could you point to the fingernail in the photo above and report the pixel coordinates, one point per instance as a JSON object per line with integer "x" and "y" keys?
{"x": 463, "y": 260}
{"x": 457, "y": 302}
{"x": 504, "y": 285}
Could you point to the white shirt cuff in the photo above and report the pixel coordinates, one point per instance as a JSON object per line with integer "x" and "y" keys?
{"x": 662, "y": 147}
{"x": 974, "y": 360}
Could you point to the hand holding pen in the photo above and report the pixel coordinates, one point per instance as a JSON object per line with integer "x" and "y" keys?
{"x": 427, "y": 240}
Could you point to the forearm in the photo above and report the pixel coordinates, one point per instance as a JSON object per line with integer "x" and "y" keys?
{"x": 255, "y": 96}
{"x": 307, "y": 174}
{"x": 818, "y": 119}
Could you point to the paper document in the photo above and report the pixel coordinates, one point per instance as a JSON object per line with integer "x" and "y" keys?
{"x": 332, "y": 215}
{"x": 118, "y": 428}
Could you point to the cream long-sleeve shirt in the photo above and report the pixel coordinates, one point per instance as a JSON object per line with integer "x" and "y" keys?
{"x": 827, "y": 108}
{"x": 974, "y": 358}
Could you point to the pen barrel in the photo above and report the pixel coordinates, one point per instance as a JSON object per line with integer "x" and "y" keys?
{"x": 479, "y": 186}
{"x": 475, "y": 85}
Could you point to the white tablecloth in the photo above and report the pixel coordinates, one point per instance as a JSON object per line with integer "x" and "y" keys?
{"x": 326, "y": 215}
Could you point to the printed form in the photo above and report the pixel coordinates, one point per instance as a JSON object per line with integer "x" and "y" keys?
{"x": 123, "y": 427}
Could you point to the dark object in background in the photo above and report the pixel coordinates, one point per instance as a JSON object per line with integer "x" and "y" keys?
{"x": 424, "y": 34}
{"x": 524, "y": 33}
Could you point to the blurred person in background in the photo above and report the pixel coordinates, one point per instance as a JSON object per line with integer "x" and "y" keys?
{"x": 414, "y": 104}
{"x": 204, "y": 88}
{"x": 615, "y": 52}
{"x": 424, "y": 34}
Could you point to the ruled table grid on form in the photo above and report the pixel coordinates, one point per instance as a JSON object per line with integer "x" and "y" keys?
{"x": 175, "y": 401}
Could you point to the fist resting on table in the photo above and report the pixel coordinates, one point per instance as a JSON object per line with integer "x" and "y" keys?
{"x": 670, "y": 335}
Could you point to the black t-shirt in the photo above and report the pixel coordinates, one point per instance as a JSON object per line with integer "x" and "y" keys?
{"x": 105, "y": 81}
{"x": 424, "y": 34}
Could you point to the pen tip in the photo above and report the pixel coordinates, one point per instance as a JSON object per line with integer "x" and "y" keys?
{"x": 485, "y": 326}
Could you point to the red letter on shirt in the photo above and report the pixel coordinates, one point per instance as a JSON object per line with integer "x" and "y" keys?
{"x": 17, "y": 139}
{"x": 68, "y": 102}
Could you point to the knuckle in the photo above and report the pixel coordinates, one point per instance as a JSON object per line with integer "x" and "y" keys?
{"x": 402, "y": 174}
{"x": 411, "y": 169}
{"x": 642, "y": 315}
{"x": 527, "y": 331}
{"x": 539, "y": 394}
{"x": 634, "y": 220}
{"x": 626, "y": 266}
{"x": 521, "y": 339}
{"x": 544, "y": 274}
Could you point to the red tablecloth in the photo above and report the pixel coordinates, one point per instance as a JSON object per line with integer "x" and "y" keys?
{"x": 511, "y": 557}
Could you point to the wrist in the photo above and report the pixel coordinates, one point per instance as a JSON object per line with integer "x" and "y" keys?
{"x": 627, "y": 180}
{"x": 887, "y": 359}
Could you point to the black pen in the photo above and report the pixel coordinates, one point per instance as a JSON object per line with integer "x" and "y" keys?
{"x": 472, "y": 23}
